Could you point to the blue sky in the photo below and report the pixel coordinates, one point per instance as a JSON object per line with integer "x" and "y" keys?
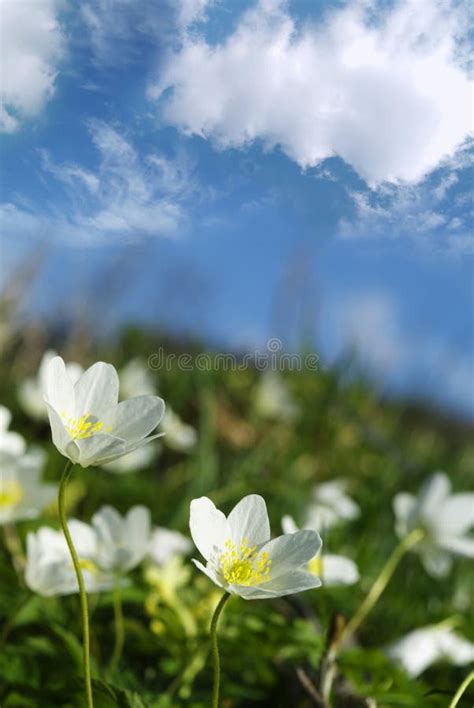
{"x": 249, "y": 170}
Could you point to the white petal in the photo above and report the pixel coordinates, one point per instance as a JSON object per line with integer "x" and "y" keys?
{"x": 208, "y": 571}
{"x": 165, "y": 544}
{"x": 138, "y": 521}
{"x": 433, "y": 493}
{"x": 461, "y": 545}
{"x": 288, "y": 524}
{"x": 96, "y": 391}
{"x": 132, "y": 420}
{"x": 84, "y": 538}
{"x": 455, "y": 648}
{"x": 338, "y": 570}
{"x": 416, "y": 651}
{"x": 59, "y": 389}
{"x": 99, "y": 448}
{"x": 457, "y": 514}
{"x": 249, "y": 520}
{"x": 288, "y": 584}
{"x": 208, "y": 526}
{"x": 61, "y": 437}
{"x": 291, "y": 551}
{"x": 404, "y": 505}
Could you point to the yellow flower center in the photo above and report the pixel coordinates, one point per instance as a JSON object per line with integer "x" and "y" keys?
{"x": 243, "y": 565}
{"x": 11, "y": 493}
{"x": 315, "y": 565}
{"x": 87, "y": 564}
{"x": 84, "y": 427}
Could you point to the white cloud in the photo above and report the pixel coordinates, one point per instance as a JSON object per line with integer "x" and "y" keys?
{"x": 385, "y": 96}
{"x": 33, "y": 45}
{"x": 427, "y": 212}
{"x": 126, "y": 197}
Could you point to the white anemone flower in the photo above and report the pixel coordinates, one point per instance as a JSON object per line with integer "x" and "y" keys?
{"x": 334, "y": 570}
{"x": 444, "y": 517}
{"x": 240, "y": 556}
{"x": 166, "y": 544}
{"x": 10, "y": 442}
{"x": 49, "y": 569}
{"x": 273, "y": 398}
{"x": 122, "y": 541}
{"x": 134, "y": 461}
{"x": 178, "y": 435}
{"x": 428, "y": 645}
{"x": 88, "y": 424}
{"x": 330, "y": 506}
{"x": 31, "y": 391}
{"x": 136, "y": 379}
{"x": 22, "y": 493}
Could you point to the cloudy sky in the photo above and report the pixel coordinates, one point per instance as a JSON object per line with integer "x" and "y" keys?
{"x": 249, "y": 169}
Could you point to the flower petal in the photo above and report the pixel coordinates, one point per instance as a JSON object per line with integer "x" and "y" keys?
{"x": 249, "y": 520}
{"x": 457, "y": 514}
{"x": 461, "y": 545}
{"x": 97, "y": 390}
{"x": 99, "y": 448}
{"x": 134, "y": 419}
{"x": 208, "y": 526}
{"x": 210, "y": 572}
{"x": 338, "y": 570}
{"x": 61, "y": 437}
{"x": 287, "y": 584}
{"x": 433, "y": 493}
{"x": 59, "y": 389}
{"x": 291, "y": 551}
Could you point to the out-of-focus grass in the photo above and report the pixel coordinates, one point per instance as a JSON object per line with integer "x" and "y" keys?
{"x": 344, "y": 430}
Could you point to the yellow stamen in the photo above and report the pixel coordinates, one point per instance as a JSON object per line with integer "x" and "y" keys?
{"x": 11, "y": 493}
{"x": 84, "y": 427}
{"x": 244, "y": 566}
{"x": 315, "y": 566}
{"x": 87, "y": 564}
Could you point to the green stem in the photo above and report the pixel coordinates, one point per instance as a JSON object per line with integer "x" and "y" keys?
{"x": 382, "y": 581}
{"x": 469, "y": 678}
{"x": 215, "y": 650}
{"x": 119, "y": 631}
{"x": 80, "y": 580}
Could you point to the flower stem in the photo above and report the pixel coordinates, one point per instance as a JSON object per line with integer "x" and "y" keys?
{"x": 469, "y": 678}
{"x": 215, "y": 650}
{"x": 119, "y": 631}
{"x": 382, "y": 581}
{"x": 82, "y": 589}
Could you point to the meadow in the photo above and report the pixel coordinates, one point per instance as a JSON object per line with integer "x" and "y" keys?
{"x": 233, "y": 433}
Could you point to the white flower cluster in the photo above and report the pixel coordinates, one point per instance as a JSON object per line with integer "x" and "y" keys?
{"x": 108, "y": 548}
{"x": 92, "y": 428}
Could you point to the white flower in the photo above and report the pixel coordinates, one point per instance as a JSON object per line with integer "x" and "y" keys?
{"x": 136, "y": 379}
{"x": 178, "y": 435}
{"x": 122, "y": 541}
{"x": 32, "y": 390}
{"x": 49, "y": 569}
{"x": 445, "y": 518}
{"x": 333, "y": 569}
{"x": 166, "y": 544}
{"x": 240, "y": 556}
{"x": 423, "y": 647}
{"x": 273, "y": 398}
{"x": 10, "y": 442}
{"x": 330, "y": 506}
{"x": 22, "y": 494}
{"x": 134, "y": 461}
{"x": 88, "y": 424}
